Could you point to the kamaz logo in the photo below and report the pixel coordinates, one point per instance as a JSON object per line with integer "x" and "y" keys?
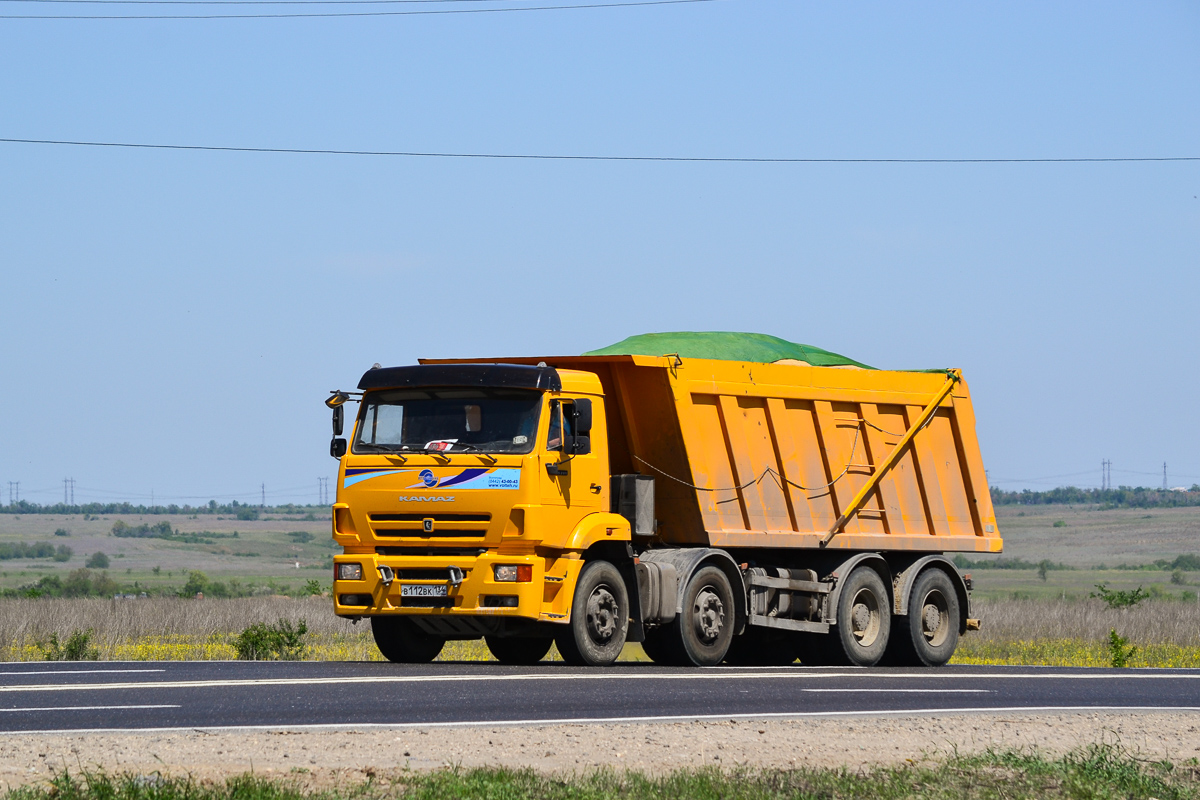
{"x": 404, "y": 499}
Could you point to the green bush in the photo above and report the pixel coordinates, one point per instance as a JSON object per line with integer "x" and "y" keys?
{"x": 1119, "y": 599}
{"x": 1178, "y": 578}
{"x": 282, "y": 641}
{"x": 313, "y": 587}
{"x": 63, "y": 553}
{"x": 1119, "y": 649}
{"x": 78, "y": 647}
{"x": 97, "y": 560}
{"x": 1060, "y": 523}
{"x": 62, "y": 532}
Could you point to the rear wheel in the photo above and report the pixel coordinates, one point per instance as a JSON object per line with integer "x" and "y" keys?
{"x": 520, "y": 650}
{"x": 599, "y": 617}
{"x": 864, "y": 618}
{"x": 928, "y": 635}
{"x": 700, "y": 636}
{"x": 402, "y": 642}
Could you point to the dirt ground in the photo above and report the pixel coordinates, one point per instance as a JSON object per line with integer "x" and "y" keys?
{"x": 325, "y": 759}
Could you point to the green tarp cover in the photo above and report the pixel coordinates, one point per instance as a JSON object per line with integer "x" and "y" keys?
{"x": 725, "y": 346}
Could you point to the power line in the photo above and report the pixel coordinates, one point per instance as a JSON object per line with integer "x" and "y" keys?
{"x": 357, "y": 13}
{"x": 545, "y": 157}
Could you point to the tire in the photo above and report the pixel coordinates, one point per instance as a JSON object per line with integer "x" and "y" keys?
{"x": 599, "y": 618}
{"x": 864, "y": 618}
{"x": 700, "y": 636}
{"x": 402, "y": 642}
{"x": 928, "y": 635}
{"x": 519, "y": 650}
{"x": 763, "y": 647}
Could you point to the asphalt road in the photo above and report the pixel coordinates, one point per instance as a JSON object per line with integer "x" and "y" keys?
{"x": 211, "y": 695}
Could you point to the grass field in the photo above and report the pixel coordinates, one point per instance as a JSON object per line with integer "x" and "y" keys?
{"x": 274, "y": 553}
{"x": 1050, "y": 632}
{"x": 1100, "y": 771}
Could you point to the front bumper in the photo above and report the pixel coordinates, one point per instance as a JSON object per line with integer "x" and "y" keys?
{"x": 479, "y": 593}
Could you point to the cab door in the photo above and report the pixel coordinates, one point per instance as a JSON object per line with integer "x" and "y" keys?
{"x": 574, "y": 455}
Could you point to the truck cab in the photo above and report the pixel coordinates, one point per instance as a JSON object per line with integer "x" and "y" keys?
{"x": 467, "y": 497}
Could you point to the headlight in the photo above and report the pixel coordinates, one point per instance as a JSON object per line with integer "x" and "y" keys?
{"x": 514, "y": 573}
{"x": 349, "y": 572}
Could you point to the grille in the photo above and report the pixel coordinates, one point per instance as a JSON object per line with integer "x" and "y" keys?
{"x": 423, "y": 575}
{"x": 446, "y": 533}
{"x": 435, "y": 517}
{"x": 467, "y": 552}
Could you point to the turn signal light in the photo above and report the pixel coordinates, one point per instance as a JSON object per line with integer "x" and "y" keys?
{"x": 514, "y": 573}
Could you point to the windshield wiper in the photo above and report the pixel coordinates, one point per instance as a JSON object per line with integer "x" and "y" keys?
{"x": 382, "y": 448}
{"x": 475, "y": 450}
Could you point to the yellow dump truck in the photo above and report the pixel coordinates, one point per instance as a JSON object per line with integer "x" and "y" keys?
{"x": 715, "y": 497}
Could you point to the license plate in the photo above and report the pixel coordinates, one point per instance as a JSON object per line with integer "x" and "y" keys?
{"x": 423, "y": 590}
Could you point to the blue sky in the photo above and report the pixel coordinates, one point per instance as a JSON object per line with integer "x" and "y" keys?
{"x": 173, "y": 320}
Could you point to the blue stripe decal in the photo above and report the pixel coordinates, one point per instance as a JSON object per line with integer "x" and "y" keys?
{"x": 360, "y": 475}
{"x": 465, "y": 475}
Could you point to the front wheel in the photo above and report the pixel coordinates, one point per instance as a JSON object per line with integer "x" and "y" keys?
{"x": 402, "y": 642}
{"x": 599, "y": 618}
{"x": 521, "y": 651}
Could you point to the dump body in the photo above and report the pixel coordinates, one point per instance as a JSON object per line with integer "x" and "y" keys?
{"x": 749, "y": 455}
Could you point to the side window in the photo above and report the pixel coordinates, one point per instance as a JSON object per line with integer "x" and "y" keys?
{"x": 560, "y": 411}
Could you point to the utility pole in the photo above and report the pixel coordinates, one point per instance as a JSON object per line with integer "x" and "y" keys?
{"x": 65, "y": 491}
{"x": 1106, "y": 474}
{"x": 14, "y": 491}
{"x": 323, "y": 491}
{"x": 1164, "y": 476}
{"x": 72, "y": 491}
{"x": 263, "y": 503}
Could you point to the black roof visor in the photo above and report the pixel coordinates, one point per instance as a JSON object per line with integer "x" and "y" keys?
{"x": 511, "y": 376}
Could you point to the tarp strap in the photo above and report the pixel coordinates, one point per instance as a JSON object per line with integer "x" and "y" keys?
{"x": 952, "y": 377}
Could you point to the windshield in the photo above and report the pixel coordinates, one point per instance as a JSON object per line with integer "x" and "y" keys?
{"x": 446, "y": 420}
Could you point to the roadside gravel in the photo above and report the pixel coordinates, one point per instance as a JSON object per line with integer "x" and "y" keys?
{"x": 330, "y": 758}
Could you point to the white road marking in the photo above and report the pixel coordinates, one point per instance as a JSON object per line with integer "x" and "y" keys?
{"x": 85, "y": 708}
{"x": 600, "y": 675}
{"x": 905, "y": 691}
{"x": 79, "y": 671}
{"x": 617, "y": 720}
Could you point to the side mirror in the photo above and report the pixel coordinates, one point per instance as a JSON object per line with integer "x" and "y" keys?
{"x": 339, "y": 414}
{"x": 581, "y": 445}
{"x": 337, "y": 448}
{"x": 583, "y": 415}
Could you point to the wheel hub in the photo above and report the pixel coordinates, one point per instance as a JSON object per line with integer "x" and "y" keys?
{"x": 709, "y": 615}
{"x": 601, "y": 615}
{"x": 935, "y": 618}
{"x": 932, "y": 619}
{"x": 865, "y": 621}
